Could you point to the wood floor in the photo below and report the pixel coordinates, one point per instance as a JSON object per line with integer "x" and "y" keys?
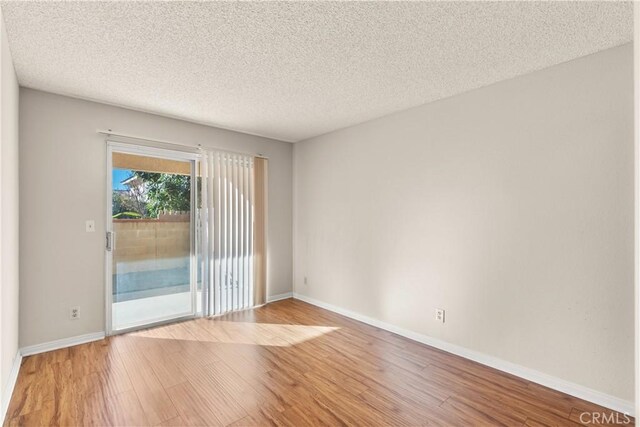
{"x": 287, "y": 363}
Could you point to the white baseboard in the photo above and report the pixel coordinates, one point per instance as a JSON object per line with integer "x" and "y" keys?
{"x": 546, "y": 380}
{"x": 63, "y": 343}
{"x": 279, "y": 297}
{"x": 11, "y": 383}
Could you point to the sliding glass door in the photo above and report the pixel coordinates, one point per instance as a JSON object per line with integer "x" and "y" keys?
{"x": 151, "y": 248}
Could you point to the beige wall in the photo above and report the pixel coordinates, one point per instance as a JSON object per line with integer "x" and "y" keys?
{"x": 511, "y": 207}
{"x": 9, "y": 246}
{"x": 63, "y": 181}
{"x": 636, "y": 76}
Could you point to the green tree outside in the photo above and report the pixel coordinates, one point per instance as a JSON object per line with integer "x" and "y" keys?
{"x": 151, "y": 193}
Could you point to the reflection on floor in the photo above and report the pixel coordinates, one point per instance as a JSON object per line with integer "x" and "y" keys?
{"x": 287, "y": 363}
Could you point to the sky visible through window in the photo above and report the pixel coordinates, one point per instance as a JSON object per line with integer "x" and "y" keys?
{"x": 120, "y": 175}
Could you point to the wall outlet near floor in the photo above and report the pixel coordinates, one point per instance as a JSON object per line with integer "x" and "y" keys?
{"x": 305, "y": 280}
{"x": 440, "y": 315}
{"x": 74, "y": 313}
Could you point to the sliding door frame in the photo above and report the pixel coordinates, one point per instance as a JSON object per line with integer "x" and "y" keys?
{"x": 161, "y": 153}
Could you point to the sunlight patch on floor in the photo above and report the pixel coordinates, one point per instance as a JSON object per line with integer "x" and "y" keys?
{"x": 220, "y": 331}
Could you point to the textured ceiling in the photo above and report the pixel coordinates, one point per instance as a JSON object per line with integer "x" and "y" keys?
{"x": 294, "y": 70}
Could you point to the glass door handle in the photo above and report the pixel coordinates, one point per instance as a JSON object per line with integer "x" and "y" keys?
{"x": 110, "y": 241}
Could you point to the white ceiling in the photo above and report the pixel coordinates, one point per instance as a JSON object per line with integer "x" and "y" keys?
{"x": 291, "y": 71}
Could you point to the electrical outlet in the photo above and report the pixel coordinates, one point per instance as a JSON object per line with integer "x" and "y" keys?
{"x": 90, "y": 226}
{"x": 74, "y": 313}
{"x": 305, "y": 280}
{"x": 440, "y": 315}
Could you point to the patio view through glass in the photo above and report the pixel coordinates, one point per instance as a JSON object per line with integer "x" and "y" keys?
{"x": 152, "y": 239}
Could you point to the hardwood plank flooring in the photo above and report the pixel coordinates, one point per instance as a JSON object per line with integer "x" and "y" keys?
{"x": 287, "y": 364}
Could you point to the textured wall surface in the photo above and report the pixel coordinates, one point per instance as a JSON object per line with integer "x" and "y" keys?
{"x": 511, "y": 207}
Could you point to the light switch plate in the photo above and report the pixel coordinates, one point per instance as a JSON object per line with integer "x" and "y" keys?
{"x": 90, "y": 226}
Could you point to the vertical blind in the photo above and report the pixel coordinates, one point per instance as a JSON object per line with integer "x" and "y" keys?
{"x": 228, "y": 211}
